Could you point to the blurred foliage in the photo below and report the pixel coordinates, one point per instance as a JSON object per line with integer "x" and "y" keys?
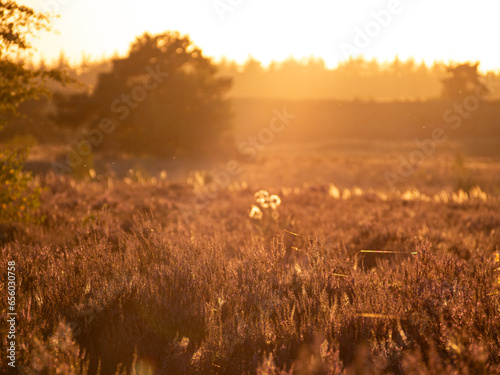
{"x": 463, "y": 177}
{"x": 18, "y": 82}
{"x": 85, "y": 169}
{"x": 18, "y": 199}
{"x": 165, "y": 98}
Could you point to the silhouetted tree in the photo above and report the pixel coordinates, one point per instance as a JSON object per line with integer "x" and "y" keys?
{"x": 462, "y": 81}
{"x": 165, "y": 98}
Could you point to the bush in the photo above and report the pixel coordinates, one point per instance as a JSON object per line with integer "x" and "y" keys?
{"x": 19, "y": 200}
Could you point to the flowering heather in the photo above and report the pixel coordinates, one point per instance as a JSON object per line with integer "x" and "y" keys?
{"x": 115, "y": 281}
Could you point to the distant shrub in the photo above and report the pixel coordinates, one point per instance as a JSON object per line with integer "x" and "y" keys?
{"x": 85, "y": 169}
{"x": 18, "y": 198}
{"x": 463, "y": 175}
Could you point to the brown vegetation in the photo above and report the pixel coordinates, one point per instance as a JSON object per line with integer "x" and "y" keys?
{"x": 116, "y": 275}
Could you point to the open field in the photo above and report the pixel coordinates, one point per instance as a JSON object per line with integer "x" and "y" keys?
{"x": 346, "y": 163}
{"x": 172, "y": 275}
{"x": 181, "y": 196}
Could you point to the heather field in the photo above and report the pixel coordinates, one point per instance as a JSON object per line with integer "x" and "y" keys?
{"x": 257, "y": 187}
{"x": 303, "y": 261}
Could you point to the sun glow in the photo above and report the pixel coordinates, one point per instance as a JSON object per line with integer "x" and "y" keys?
{"x": 279, "y": 29}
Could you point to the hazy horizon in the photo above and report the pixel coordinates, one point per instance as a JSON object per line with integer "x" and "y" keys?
{"x": 447, "y": 31}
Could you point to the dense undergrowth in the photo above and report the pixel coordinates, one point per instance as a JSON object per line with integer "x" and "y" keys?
{"x": 116, "y": 280}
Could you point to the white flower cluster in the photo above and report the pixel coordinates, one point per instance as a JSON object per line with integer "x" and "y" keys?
{"x": 265, "y": 201}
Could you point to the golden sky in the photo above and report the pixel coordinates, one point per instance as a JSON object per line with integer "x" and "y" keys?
{"x": 276, "y": 29}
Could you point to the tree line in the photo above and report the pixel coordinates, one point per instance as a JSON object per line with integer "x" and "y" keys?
{"x": 354, "y": 79}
